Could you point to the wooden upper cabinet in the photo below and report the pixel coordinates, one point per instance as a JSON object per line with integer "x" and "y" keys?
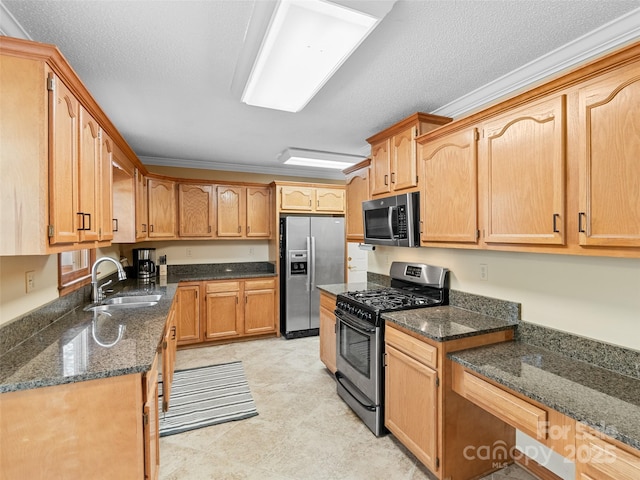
{"x": 89, "y": 176}
{"x": 259, "y": 216}
{"x": 525, "y": 175}
{"x": 124, "y": 198}
{"x": 297, "y": 198}
{"x": 609, "y": 152}
{"x": 394, "y": 162}
{"x": 357, "y": 191}
{"x": 311, "y": 198}
{"x": 404, "y": 172}
{"x": 381, "y": 167}
{"x": 449, "y": 179}
{"x": 231, "y": 205}
{"x": 142, "y": 206}
{"x": 195, "y": 210}
{"x": 106, "y": 218}
{"x": 162, "y": 208}
{"x": 64, "y": 112}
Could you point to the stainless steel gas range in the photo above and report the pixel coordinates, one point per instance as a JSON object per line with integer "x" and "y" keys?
{"x": 360, "y": 334}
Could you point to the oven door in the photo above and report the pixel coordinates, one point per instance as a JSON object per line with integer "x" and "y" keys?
{"x": 359, "y": 355}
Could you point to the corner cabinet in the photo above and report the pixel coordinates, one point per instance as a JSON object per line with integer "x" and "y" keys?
{"x": 394, "y": 166}
{"x": 449, "y": 176}
{"x": 524, "y": 174}
{"x": 609, "y": 160}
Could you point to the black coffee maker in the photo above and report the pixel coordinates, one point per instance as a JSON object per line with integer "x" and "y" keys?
{"x": 144, "y": 263}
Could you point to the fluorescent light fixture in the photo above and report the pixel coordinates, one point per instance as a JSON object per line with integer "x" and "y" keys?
{"x": 306, "y": 42}
{"x": 316, "y": 159}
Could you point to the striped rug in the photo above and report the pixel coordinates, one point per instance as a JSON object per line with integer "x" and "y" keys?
{"x": 206, "y": 396}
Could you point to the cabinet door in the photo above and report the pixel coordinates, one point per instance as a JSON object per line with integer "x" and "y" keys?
{"x": 525, "y": 169}
{"x": 381, "y": 167}
{"x": 230, "y": 201}
{"x": 259, "y": 218}
{"x": 63, "y": 164}
{"x": 297, "y": 198}
{"x": 124, "y": 198}
{"x": 89, "y": 176}
{"x": 259, "y": 311}
{"x": 224, "y": 315}
{"x": 195, "y": 209}
{"x": 162, "y": 208}
{"x": 328, "y": 331}
{"x": 449, "y": 177}
{"x": 599, "y": 459}
{"x": 105, "y": 210}
{"x": 609, "y": 153}
{"x": 169, "y": 345}
{"x": 411, "y": 405}
{"x": 188, "y": 314}
{"x": 142, "y": 213}
{"x": 404, "y": 170}
{"x": 150, "y": 424}
{"x": 330, "y": 200}
{"x": 357, "y": 191}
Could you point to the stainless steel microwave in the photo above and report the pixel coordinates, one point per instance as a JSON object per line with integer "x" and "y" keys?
{"x": 392, "y": 221}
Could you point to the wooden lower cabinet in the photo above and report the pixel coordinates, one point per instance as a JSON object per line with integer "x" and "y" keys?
{"x": 424, "y": 413}
{"x": 328, "y": 347}
{"x": 228, "y": 309}
{"x": 599, "y": 457}
{"x": 150, "y": 422}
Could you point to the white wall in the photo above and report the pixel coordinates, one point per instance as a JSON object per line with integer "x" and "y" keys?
{"x": 596, "y": 297}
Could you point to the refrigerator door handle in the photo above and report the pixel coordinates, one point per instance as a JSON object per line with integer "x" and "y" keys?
{"x": 313, "y": 264}
{"x": 310, "y": 264}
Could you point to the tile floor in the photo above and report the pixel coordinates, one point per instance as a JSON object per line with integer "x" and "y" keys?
{"x": 303, "y": 430}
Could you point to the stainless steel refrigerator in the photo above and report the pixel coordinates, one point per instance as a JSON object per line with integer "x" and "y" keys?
{"x": 311, "y": 254}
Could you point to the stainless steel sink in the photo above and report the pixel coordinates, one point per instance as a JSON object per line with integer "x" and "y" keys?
{"x": 120, "y": 303}
{"x": 132, "y": 299}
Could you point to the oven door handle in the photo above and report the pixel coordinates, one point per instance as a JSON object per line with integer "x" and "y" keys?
{"x": 358, "y": 325}
{"x": 350, "y": 388}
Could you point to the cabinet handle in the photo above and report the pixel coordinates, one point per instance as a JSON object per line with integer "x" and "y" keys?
{"x": 386, "y": 179}
{"x": 144, "y": 228}
{"x": 555, "y": 222}
{"x": 87, "y": 215}
{"x": 393, "y": 177}
{"x": 173, "y": 333}
{"x": 151, "y": 228}
{"x": 115, "y": 224}
{"x": 581, "y": 215}
{"x": 248, "y": 229}
{"x": 81, "y": 220}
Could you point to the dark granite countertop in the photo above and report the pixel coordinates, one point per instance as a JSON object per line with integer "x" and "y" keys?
{"x": 603, "y": 399}
{"x": 86, "y": 345}
{"x": 219, "y": 271}
{"x": 448, "y": 322}
{"x": 200, "y": 277}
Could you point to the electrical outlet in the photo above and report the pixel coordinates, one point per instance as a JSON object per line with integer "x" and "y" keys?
{"x": 189, "y": 252}
{"x": 30, "y": 282}
{"x": 484, "y": 272}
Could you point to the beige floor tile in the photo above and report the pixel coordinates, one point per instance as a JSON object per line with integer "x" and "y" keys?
{"x": 303, "y": 430}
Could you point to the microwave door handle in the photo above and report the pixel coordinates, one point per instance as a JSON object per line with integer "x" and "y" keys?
{"x": 390, "y": 220}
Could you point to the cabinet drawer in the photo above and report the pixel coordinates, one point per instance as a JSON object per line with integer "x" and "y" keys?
{"x": 507, "y": 407}
{"x": 602, "y": 459}
{"x": 415, "y": 348}
{"x": 223, "y": 287}
{"x": 327, "y": 301}
{"x": 260, "y": 284}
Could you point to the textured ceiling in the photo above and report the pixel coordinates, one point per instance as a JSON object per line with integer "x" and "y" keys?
{"x": 163, "y": 70}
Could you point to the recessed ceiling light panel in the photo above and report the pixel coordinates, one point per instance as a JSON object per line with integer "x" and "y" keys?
{"x": 306, "y": 42}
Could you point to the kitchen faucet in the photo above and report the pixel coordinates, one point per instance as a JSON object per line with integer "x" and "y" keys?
{"x": 97, "y": 294}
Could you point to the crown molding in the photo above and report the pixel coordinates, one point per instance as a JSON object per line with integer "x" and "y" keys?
{"x": 283, "y": 171}
{"x": 610, "y": 36}
{"x": 9, "y": 26}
